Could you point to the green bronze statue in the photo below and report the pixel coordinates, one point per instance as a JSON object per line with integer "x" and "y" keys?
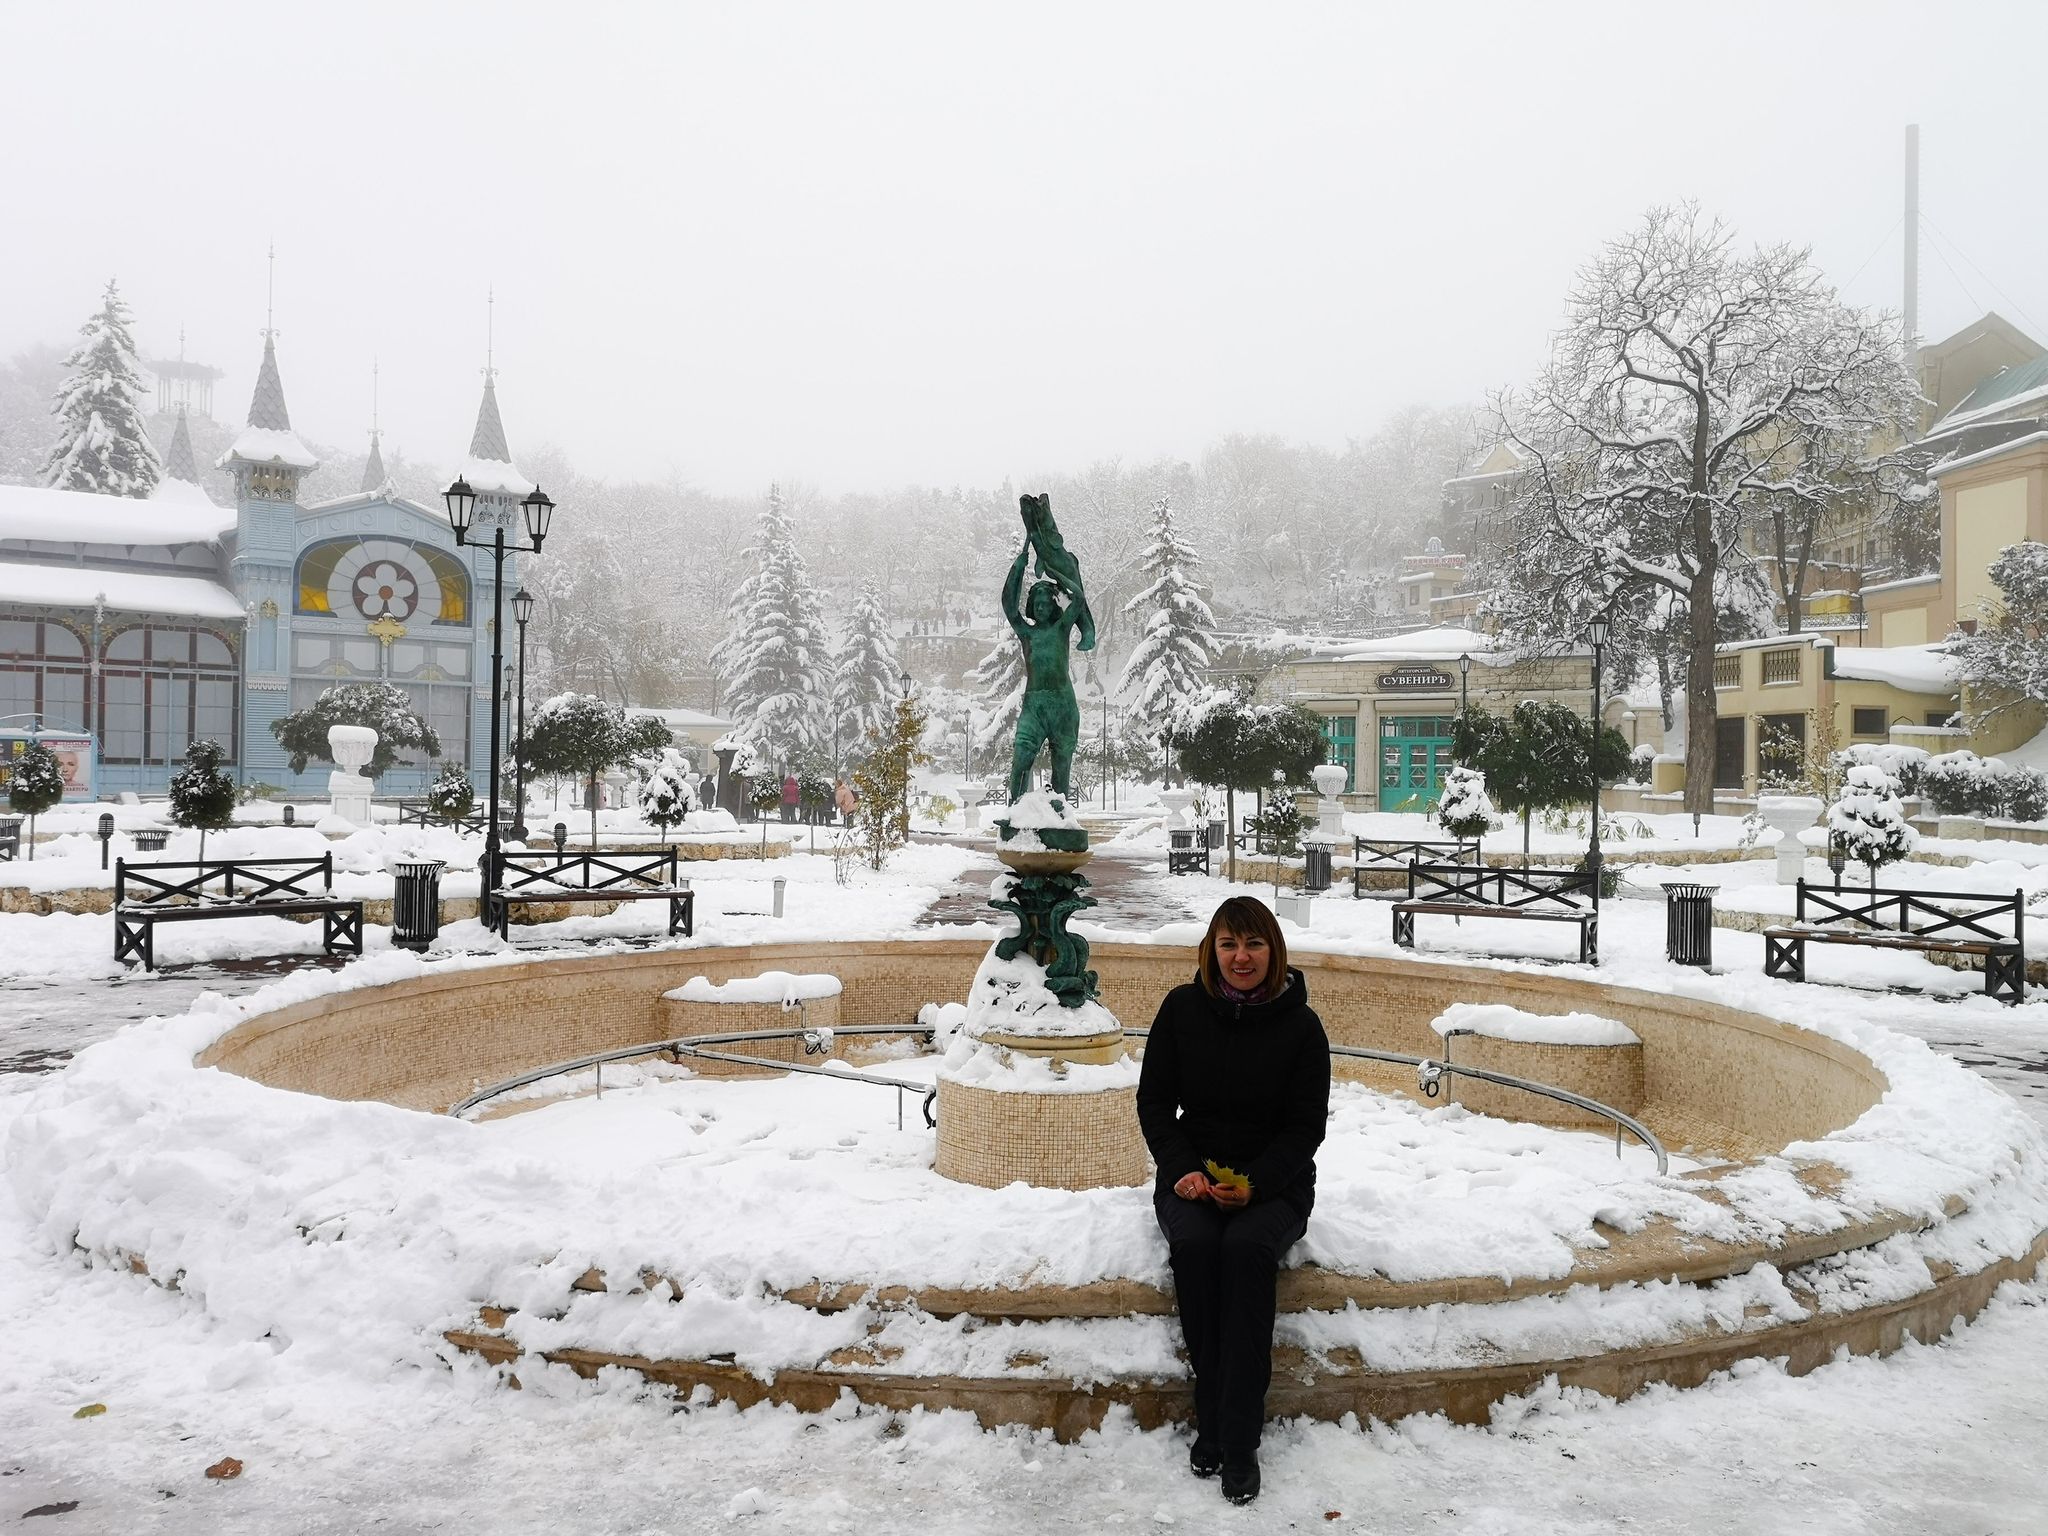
{"x": 1055, "y": 606}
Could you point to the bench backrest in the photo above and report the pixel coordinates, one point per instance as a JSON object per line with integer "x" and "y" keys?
{"x": 585, "y": 871}
{"x": 1539, "y": 889}
{"x": 1368, "y": 850}
{"x": 173, "y": 880}
{"x": 1956, "y": 915}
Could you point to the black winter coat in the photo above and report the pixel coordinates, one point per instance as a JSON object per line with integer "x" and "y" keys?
{"x": 1244, "y": 1084}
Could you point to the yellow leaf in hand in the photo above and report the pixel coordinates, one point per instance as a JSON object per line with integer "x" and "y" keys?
{"x": 1228, "y": 1177}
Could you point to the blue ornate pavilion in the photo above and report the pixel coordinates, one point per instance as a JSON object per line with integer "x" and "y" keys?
{"x": 146, "y": 624}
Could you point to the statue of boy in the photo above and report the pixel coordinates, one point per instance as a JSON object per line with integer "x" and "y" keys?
{"x": 1042, "y": 621}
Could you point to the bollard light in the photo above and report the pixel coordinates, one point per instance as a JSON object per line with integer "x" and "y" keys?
{"x": 779, "y": 883}
{"x": 561, "y": 836}
{"x": 291, "y": 815}
{"x": 1837, "y": 860}
{"x": 106, "y": 835}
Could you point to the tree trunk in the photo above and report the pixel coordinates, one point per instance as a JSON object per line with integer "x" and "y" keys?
{"x": 1230, "y": 829}
{"x": 1525, "y": 835}
{"x": 1699, "y": 693}
{"x": 593, "y": 810}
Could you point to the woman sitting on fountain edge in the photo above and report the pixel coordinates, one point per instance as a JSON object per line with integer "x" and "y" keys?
{"x": 1233, "y": 1097}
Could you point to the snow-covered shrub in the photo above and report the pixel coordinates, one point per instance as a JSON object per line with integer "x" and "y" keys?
{"x": 1464, "y": 809}
{"x": 202, "y": 796}
{"x": 36, "y": 784}
{"x": 1902, "y": 765}
{"x": 664, "y": 794}
{"x": 1868, "y": 823}
{"x": 1639, "y": 759}
{"x": 1279, "y": 825}
{"x": 1964, "y": 784}
{"x": 451, "y": 796}
{"x": 385, "y": 708}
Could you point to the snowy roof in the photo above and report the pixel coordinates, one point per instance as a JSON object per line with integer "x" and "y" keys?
{"x": 489, "y": 466}
{"x": 683, "y": 719}
{"x": 488, "y": 475}
{"x": 266, "y": 405}
{"x": 175, "y": 490}
{"x": 178, "y": 463}
{"x": 1444, "y": 642}
{"x": 1949, "y": 466}
{"x": 80, "y": 517}
{"x": 374, "y": 476}
{"x": 2007, "y": 389}
{"x": 1915, "y": 668}
{"x": 74, "y": 586}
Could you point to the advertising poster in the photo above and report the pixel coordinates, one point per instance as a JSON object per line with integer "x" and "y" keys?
{"x": 77, "y": 760}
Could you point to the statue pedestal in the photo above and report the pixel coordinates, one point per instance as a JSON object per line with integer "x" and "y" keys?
{"x": 1039, "y": 1087}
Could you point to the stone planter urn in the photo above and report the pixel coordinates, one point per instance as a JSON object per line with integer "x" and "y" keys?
{"x": 1788, "y": 816}
{"x": 970, "y": 805}
{"x": 1177, "y": 802}
{"x": 1329, "y": 780}
{"x": 348, "y": 792}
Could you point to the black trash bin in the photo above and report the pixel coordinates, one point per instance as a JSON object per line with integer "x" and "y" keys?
{"x": 1689, "y": 924}
{"x": 1215, "y": 834}
{"x": 1315, "y": 873}
{"x": 416, "y": 903}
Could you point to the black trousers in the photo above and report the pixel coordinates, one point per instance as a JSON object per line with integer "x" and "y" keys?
{"x": 1225, "y": 1264}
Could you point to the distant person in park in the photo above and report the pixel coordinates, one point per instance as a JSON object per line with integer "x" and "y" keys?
{"x": 792, "y": 793}
{"x": 844, "y": 798}
{"x": 1233, "y": 1098}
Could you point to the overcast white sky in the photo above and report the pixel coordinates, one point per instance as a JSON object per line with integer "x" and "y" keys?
{"x": 870, "y": 244}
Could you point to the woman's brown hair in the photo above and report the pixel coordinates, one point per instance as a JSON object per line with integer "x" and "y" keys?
{"x": 1246, "y": 917}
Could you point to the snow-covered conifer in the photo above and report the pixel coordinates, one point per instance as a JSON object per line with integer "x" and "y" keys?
{"x": 451, "y": 795}
{"x": 102, "y": 445}
{"x": 864, "y": 675}
{"x": 998, "y": 681}
{"x": 664, "y": 794}
{"x": 1175, "y": 642}
{"x": 36, "y": 784}
{"x": 774, "y": 664}
{"x": 1464, "y": 809}
{"x": 202, "y": 796}
{"x": 1868, "y": 821}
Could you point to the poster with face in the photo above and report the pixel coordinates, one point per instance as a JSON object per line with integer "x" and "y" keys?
{"x": 77, "y": 759}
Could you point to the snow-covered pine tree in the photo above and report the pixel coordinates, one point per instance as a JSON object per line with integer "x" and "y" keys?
{"x": 202, "y": 796}
{"x": 1463, "y": 808}
{"x": 1868, "y": 821}
{"x": 774, "y": 664}
{"x": 664, "y": 793}
{"x": 451, "y": 796}
{"x": 102, "y": 445}
{"x": 1175, "y": 641}
{"x": 36, "y": 784}
{"x": 864, "y": 675}
{"x": 998, "y": 681}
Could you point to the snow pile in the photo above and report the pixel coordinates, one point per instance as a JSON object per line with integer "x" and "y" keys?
{"x": 1037, "y": 811}
{"x": 1499, "y": 1021}
{"x": 976, "y": 1064}
{"x": 1913, "y": 668}
{"x": 1010, "y": 997}
{"x": 768, "y": 987}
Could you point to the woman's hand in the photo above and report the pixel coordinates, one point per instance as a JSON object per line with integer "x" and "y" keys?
{"x": 1195, "y": 1186}
{"x": 1231, "y": 1196}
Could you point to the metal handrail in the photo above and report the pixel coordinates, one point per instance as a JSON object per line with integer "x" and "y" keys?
{"x": 1429, "y": 1075}
{"x": 815, "y": 1041}
{"x": 1429, "y": 1072}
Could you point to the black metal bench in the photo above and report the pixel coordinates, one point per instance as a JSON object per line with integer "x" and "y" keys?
{"x": 198, "y": 890}
{"x": 418, "y": 813}
{"x": 590, "y": 876}
{"x": 1379, "y": 854}
{"x": 1937, "y": 922}
{"x": 1472, "y": 890}
{"x": 1187, "y": 852}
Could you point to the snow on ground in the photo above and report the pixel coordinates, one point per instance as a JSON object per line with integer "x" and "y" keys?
{"x": 347, "y": 1423}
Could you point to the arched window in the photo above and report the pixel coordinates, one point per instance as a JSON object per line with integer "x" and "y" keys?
{"x": 382, "y": 578}
{"x": 163, "y": 687}
{"x": 42, "y": 673}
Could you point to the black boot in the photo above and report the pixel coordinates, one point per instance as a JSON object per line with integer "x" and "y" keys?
{"x": 1205, "y": 1457}
{"x": 1241, "y": 1477}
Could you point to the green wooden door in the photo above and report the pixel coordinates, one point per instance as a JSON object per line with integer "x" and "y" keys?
{"x": 1340, "y": 738}
{"x": 1414, "y": 752}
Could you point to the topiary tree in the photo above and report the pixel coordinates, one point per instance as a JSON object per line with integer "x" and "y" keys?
{"x": 451, "y": 796}
{"x": 664, "y": 794}
{"x": 1538, "y": 756}
{"x": 37, "y": 783}
{"x": 1464, "y": 809}
{"x": 578, "y": 735}
{"x": 1225, "y": 739}
{"x": 385, "y": 708}
{"x": 202, "y": 796}
{"x": 1868, "y": 823}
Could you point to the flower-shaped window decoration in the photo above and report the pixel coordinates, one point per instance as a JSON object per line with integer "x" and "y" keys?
{"x": 384, "y": 589}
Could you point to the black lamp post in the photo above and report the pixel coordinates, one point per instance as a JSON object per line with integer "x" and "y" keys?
{"x": 539, "y": 509}
{"x": 903, "y": 682}
{"x": 1464, "y": 681}
{"x": 522, "y": 611}
{"x": 1597, "y": 630}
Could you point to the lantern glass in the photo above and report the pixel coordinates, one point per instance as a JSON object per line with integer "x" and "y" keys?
{"x": 1598, "y": 627}
{"x": 522, "y": 605}
{"x": 461, "y": 507}
{"x": 539, "y": 510}
{"x": 1464, "y": 664}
